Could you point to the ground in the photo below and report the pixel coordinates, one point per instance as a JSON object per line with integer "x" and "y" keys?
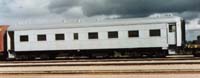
{"x": 138, "y": 75}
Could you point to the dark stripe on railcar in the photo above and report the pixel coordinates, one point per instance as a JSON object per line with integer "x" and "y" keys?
{"x": 183, "y": 32}
{"x": 12, "y": 38}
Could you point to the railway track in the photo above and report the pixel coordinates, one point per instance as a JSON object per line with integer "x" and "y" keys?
{"x": 101, "y": 63}
{"x": 95, "y": 66}
{"x": 103, "y": 68}
{"x": 174, "y": 59}
{"x": 60, "y": 60}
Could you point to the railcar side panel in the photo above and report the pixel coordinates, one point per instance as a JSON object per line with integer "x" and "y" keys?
{"x": 103, "y": 42}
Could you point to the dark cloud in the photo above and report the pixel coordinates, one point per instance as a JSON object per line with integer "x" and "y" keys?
{"x": 190, "y": 15}
{"x": 128, "y": 8}
{"x": 60, "y": 6}
{"x": 136, "y": 8}
{"x": 67, "y": 9}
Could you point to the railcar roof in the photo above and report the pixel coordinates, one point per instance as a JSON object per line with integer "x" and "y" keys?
{"x": 113, "y": 22}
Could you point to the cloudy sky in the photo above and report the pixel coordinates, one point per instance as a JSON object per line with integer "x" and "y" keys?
{"x": 48, "y": 11}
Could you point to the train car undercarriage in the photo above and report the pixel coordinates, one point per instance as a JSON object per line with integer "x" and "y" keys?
{"x": 103, "y": 53}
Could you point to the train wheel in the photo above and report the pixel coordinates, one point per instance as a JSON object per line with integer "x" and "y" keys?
{"x": 22, "y": 57}
{"x": 150, "y": 55}
{"x": 3, "y": 57}
{"x": 91, "y": 56}
{"x": 31, "y": 57}
{"x": 52, "y": 57}
{"x": 196, "y": 53}
{"x": 136, "y": 55}
{"x": 44, "y": 57}
{"x": 161, "y": 54}
{"x": 117, "y": 54}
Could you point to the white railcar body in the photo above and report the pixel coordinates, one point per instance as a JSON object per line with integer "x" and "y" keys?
{"x": 122, "y": 26}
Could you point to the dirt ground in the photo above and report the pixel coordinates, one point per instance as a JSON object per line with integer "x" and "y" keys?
{"x": 155, "y": 75}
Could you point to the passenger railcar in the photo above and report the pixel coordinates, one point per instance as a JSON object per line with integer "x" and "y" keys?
{"x": 138, "y": 37}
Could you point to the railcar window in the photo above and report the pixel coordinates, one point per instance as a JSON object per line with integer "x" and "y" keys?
{"x": 134, "y": 33}
{"x": 93, "y": 35}
{"x": 23, "y": 38}
{"x": 75, "y": 36}
{"x": 60, "y": 36}
{"x": 198, "y": 38}
{"x": 113, "y": 34}
{"x": 172, "y": 27}
{"x": 41, "y": 37}
{"x": 155, "y": 32}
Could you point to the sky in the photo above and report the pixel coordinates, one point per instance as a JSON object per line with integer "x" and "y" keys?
{"x": 53, "y": 11}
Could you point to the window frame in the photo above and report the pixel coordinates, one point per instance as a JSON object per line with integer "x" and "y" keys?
{"x": 113, "y": 34}
{"x": 40, "y": 37}
{"x": 172, "y": 27}
{"x": 59, "y": 36}
{"x": 153, "y": 34}
{"x": 22, "y": 40}
{"x": 93, "y": 35}
{"x": 76, "y": 36}
{"x": 130, "y": 35}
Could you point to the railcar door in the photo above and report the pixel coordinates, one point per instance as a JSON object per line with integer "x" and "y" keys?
{"x": 172, "y": 34}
